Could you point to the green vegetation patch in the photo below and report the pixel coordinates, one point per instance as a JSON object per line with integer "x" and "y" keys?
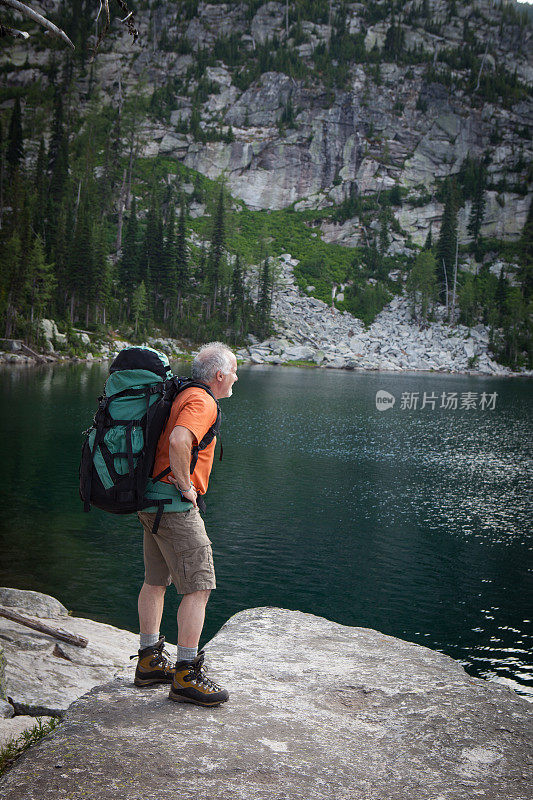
{"x": 14, "y": 748}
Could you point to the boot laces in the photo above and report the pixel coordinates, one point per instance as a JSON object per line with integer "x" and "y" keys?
{"x": 163, "y": 657}
{"x": 197, "y": 672}
{"x": 160, "y": 656}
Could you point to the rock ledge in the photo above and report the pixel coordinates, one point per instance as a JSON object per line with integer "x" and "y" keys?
{"x": 317, "y": 710}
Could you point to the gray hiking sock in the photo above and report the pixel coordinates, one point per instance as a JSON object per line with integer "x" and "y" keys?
{"x": 187, "y": 653}
{"x": 148, "y": 640}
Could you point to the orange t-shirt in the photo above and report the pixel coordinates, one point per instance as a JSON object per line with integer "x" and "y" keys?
{"x": 195, "y": 410}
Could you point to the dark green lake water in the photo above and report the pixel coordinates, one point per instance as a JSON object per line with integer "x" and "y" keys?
{"x": 415, "y": 522}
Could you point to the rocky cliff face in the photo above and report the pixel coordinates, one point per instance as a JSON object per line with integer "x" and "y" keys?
{"x": 298, "y": 137}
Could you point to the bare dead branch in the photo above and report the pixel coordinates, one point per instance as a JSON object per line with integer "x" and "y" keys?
{"x": 132, "y": 30}
{"x": 57, "y": 633}
{"x": 6, "y": 31}
{"x": 105, "y": 28}
{"x": 29, "y": 13}
{"x": 482, "y": 64}
{"x": 26, "y": 11}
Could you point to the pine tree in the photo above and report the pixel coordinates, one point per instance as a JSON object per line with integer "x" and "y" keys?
{"x": 139, "y": 304}
{"x": 168, "y": 272}
{"x": 383, "y": 233}
{"x": 17, "y": 199}
{"x": 182, "y": 257}
{"x": 467, "y": 299}
{"x": 129, "y": 263}
{"x": 237, "y": 298}
{"x": 40, "y": 281}
{"x": 58, "y": 165}
{"x": 102, "y": 279}
{"x": 15, "y": 142}
{"x": 10, "y": 254}
{"x": 157, "y": 271}
{"x": 264, "y": 302}
{"x": 62, "y": 256}
{"x": 421, "y": 284}
{"x": 477, "y": 212}
{"x": 501, "y": 292}
{"x": 525, "y": 273}
{"x": 82, "y": 262}
{"x": 19, "y": 272}
{"x": 2, "y": 173}
{"x": 111, "y": 169}
{"x": 394, "y": 40}
{"x": 214, "y": 264}
{"x": 446, "y": 244}
{"x": 151, "y": 251}
{"x": 40, "y": 186}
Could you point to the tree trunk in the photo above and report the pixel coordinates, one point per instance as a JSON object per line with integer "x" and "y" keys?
{"x": 1, "y": 187}
{"x": 482, "y": 65}
{"x": 130, "y": 172}
{"x": 452, "y": 312}
{"x": 121, "y": 214}
{"x": 77, "y": 204}
{"x": 10, "y": 316}
{"x": 445, "y": 282}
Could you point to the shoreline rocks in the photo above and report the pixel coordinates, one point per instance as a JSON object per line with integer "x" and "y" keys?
{"x": 310, "y": 330}
{"x": 43, "y": 675}
{"x": 316, "y": 709}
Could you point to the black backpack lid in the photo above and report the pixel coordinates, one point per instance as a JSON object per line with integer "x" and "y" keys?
{"x": 142, "y": 358}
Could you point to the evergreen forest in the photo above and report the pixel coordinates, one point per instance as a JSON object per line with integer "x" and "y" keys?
{"x": 104, "y": 239}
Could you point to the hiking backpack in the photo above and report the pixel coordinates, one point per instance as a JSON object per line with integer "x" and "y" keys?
{"x": 119, "y": 450}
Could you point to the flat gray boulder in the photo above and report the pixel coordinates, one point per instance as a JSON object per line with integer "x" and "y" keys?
{"x": 317, "y": 710}
{"x": 33, "y": 604}
{"x": 44, "y": 675}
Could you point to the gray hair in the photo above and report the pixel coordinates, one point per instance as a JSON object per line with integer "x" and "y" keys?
{"x": 209, "y": 359}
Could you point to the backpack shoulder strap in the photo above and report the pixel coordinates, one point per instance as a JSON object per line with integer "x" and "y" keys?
{"x": 188, "y": 383}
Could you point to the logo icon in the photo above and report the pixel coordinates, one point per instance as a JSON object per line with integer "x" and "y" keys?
{"x": 384, "y": 400}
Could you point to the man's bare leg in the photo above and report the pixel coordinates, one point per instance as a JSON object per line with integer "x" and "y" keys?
{"x": 150, "y": 605}
{"x": 191, "y": 684}
{"x": 191, "y": 616}
{"x": 153, "y": 665}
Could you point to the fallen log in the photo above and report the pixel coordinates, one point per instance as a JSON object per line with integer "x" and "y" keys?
{"x": 57, "y": 633}
{"x": 32, "y": 353}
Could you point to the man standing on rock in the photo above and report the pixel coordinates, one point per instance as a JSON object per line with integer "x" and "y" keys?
{"x": 180, "y": 551}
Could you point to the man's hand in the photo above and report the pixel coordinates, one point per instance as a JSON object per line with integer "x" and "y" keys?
{"x": 189, "y": 495}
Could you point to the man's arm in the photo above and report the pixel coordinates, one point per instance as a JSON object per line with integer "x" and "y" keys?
{"x": 181, "y": 440}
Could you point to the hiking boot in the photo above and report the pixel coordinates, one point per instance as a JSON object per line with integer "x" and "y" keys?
{"x": 191, "y": 684}
{"x": 154, "y": 665}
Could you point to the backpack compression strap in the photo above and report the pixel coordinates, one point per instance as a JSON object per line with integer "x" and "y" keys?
{"x": 160, "y": 508}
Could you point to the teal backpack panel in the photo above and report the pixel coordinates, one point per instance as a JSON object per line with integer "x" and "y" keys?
{"x": 119, "y": 449}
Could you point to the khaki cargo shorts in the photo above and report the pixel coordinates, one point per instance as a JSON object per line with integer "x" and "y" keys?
{"x": 180, "y": 552}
